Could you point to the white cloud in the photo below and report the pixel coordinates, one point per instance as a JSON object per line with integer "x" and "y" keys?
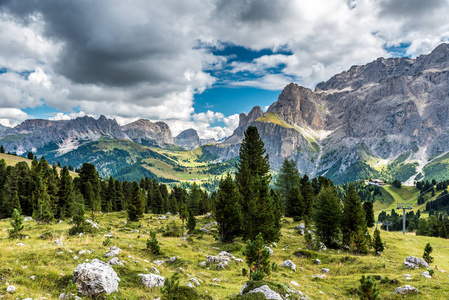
{"x": 10, "y": 117}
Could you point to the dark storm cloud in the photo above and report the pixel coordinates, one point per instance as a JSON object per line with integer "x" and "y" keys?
{"x": 253, "y": 11}
{"x": 409, "y": 8}
{"x": 107, "y": 42}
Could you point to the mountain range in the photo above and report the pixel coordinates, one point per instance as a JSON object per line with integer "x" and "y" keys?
{"x": 388, "y": 119}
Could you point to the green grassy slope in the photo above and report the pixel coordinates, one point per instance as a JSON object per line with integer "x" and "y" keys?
{"x": 53, "y": 266}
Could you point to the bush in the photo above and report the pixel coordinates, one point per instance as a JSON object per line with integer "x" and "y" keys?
{"x": 232, "y": 247}
{"x": 427, "y": 251}
{"x": 16, "y": 223}
{"x": 107, "y": 242}
{"x": 172, "y": 230}
{"x": 306, "y": 254}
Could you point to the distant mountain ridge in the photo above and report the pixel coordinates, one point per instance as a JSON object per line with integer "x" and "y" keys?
{"x": 388, "y": 118}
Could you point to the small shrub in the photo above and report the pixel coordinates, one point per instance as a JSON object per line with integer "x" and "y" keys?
{"x": 172, "y": 230}
{"x": 306, "y": 254}
{"x": 232, "y": 247}
{"x": 107, "y": 242}
{"x": 244, "y": 272}
{"x": 427, "y": 251}
{"x": 274, "y": 267}
{"x": 257, "y": 275}
{"x": 172, "y": 290}
{"x": 16, "y": 223}
{"x": 431, "y": 272}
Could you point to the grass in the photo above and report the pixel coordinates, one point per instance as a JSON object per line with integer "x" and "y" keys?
{"x": 40, "y": 258}
{"x": 12, "y": 160}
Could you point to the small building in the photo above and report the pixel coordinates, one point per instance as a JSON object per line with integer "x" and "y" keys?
{"x": 376, "y": 182}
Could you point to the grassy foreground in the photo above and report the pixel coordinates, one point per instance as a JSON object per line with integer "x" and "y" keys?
{"x": 53, "y": 265}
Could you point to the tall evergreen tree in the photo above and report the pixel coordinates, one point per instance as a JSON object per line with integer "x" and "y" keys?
{"x": 195, "y": 196}
{"x": 327, "y": 216}
{"x": 353, "y": 215}
{"x": 369, "y": 213}
{"x": 2, "y": 149}
{"x": 15, "y": 205}
{"x": 44, "y": 208}
{"x": 191, "y": 223}
{"x": 308, "y": 195}
{"x": 288, "y": 179}
{"x": 136, "y": 205}
{"x": 66, "y": 194}
{"x": 253, "y": 180}
{"x": 16, "y": 223}
{"x": 295, "y": 204}
{"x": 227, "y": 209}
{"x": 378, "y": 245}
{"x": 89, "y": 185}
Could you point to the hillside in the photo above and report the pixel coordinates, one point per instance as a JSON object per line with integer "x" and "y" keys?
{"x": 52, "y": 265}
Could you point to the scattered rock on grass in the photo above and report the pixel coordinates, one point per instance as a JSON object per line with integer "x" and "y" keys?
{"x": 426, "y": 274}
{"x": 413, "y": 262}
{"x": 115, "y": 261}
{"x": 95, "y": 278}
{"x": 289, "y": 264}
{"x": 406, "y": 289}
{"x": 152, "y": 280}
{"x": 267, "y": 292}
{"x": 11, "y": 289}
{"x": 317, "y": 261}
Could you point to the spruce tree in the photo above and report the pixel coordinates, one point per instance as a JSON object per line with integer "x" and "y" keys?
{"x": 288, "y": 179}
{"x": 378, "y": 245}
{"x": 353, "y": 219}
{"x": 89, "y": 185}
{"x": 111, "y": 203}
{"x": 2, "y": 149}
{"x": 427, "y": 251}
{"x": 65, "y": 193}
{"x": 227, "y": 209}
{"x": 153, "y": 244}
{"x": 369, "y": 213}
{"x": 136, "y": 205}
{"x": 191, "y": 222}
{"x": 44, "y": 208}
{"x": 253, "y": 180}
{"x": 77, "y": 211}
{"x": 15, "y": 205}
{"x": 195, "y": 196}
{"x": 16, "y": 223}
{"x": 308, "y": 196}
{"x": 327, "y": 216}
{"x": 257, "y": 258}
{"x": 368, "y": 289}
{"x": 295, "y": 204}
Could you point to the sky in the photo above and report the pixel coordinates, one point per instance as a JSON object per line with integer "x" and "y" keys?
{"x": 193, "y": 64}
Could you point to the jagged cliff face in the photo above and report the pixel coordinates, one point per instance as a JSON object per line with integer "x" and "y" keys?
{"x": 65, "y": 136}
{"x": 144, "y": 131}
{"x": 387, "y": 118}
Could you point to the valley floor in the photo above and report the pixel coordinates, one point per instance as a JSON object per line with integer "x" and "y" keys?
{"x": 53, "y": 265}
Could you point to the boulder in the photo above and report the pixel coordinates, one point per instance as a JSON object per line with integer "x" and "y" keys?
{"x": 172, "y": 259}
{"x": 11, "y": 289}
{"x": 317, "y": 262}
{"x": 289, "y": 264}
{"x": 413, "y": 262}
{"x": 426, "y": 274}
{"x": 324, "y": 270}
{"x": 212, "y": 259}
{"x": 203, "y": 264}
{"x": 95, "y": 278}
{"x": 222, "y": 265}
{"x": 406, "y": 289}
{"x": 115, "y": 261}
{"x": 152, "y": 280}
{"x": 154, "y": 270}
{"x": 267, "y": 292}
{"x": 226, "y": 254}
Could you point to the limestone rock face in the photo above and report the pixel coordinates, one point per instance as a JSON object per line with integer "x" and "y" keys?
{"x": 146, "y": 132}
{"x": 95, "y": 278}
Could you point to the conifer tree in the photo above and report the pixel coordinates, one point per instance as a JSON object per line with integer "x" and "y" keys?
{"x": 327, "y": 216}
{"x": 15, "y": 205}
{"x": 153, "y": 244}
{"x": 368, "y": 289}
{"x": 119, "y": 200}
{"x": 257, "y": 258}
{"x": 89, "y": 185}
{"x": 77, "y": 210}
{"x": 191, "y": 222}
{"x": 369, "y": 213}
{"x": 16, "y": 223}
{"x": 353, "y": 219}
{"x": 2, "y": 149}
{"x": 183, "y": 214}
{"x": 195, "y": 196}
{"x": 65, "y": 193}
{"x": 227, "y": 209}
{"x": 253, "y": 180}
{"x": 287, "y": 180}
{"x": 427, "y": 251}
{"x": 136, "y": 205}
{"x": 308, "y": 196}
{"x": 378, "y": 245}
{"x": 295, "y": 204}
{"x": 157, "y": 201}
{"x": 44, "y": 208}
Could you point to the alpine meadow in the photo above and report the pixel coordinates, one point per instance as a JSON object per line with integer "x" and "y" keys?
{"x": 255, "y": 149}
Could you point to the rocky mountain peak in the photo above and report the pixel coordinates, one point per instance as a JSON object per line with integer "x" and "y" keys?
{"x": 245, "y": 120}
{"x": 189, "y": 134}
{"x": 298, "y": 105}
{"x": 152, "y": 133}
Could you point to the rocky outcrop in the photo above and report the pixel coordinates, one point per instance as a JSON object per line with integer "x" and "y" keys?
{"x": 145, "y": 132}
{"x": 412, "y": 262}
{"x": 95, "y": 278}
{"x": 189, "y": 139}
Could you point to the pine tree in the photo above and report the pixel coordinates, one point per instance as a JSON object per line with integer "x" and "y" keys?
{"x": 378, "y": 245}
{"x": 328, "y": 216}
{"x": 353, "y": 215}
{"x": 30, "y": 155}
{"x": 359, "y": 241}
{"x": 427, "y": 251}
{"x": 191, "y": 222}
{"x": 44, "y": 208}
{"x": 308, "y": 196}
{"x": 2, "y": 149}
{"x": 369, "y": 213}
{"x": 183, "y": 214}
{"x": 253, "y": 180}
{"x": 195, "y": 195}
{"x": 15, "y": 205}
{"x": 16, "y": 223}
{"x": 77, "y": 210}
{"x": 65, "y": 193}
{"x": 227, "y": 209}
{"x": 287, "y": 180}
{"x": 153, "y": 244}
{"x": 368, "y": 289}
{"x": 257, "y": 258}
{"x": 295, "y": 204}
{"x": 136, "y": 205}
{"x": 89, "y": 185}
